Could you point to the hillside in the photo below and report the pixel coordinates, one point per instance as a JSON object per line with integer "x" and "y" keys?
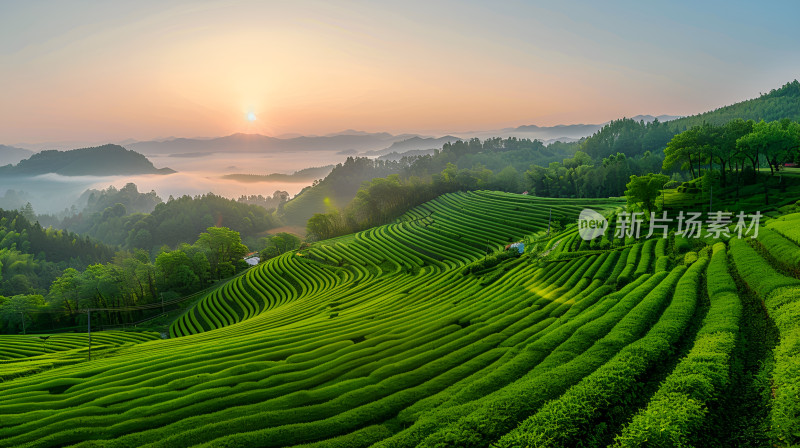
{"x": 336, "y": 190}
{"x": 256, "y": 143}
{"x": 179, "y": 220}
{"x": 408, "y": 335}
{"x": 304, "y": 175}
{"x": 11, "y": 155}
{"x": 505, "y": 159}
{"x": 783, "y": 102}
{"x": 106, "y": 160}
{"x": 31, "y": 257}
{"x": 414, "y": 144}
{"x": 633, "y": 137}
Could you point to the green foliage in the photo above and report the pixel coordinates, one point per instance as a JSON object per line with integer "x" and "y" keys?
{"x": 687, "y": 149}
{"x": 580, "y": 176}
{"x": 18, "y": 233}
{"x": 380, "y": 338}
{"x": 106, "y": 160}
{"x": 662, "y": 264}
{"x": 599, "y": 166}
{"x": 223, "y": 247}
{"x": 776, "y": 142}
{"x": 132, "y": 279}
{"x": 171, "y": 223}
{"x": 781, "y": 296}
{"x": 274, "y": 202}
{"x": 112, "y": 202}
{"x": 682, "y": 244}
{"x": 31, "y": 257}
{"x": 490, "y": 261}
{"x": 16, "y": 310}
{"x": 756, "y": 271}
{"x": 677, "y": 411}
{"x": 642, "y": 191}
{"x": 383, "y": 199}
{"x": 777, "y": 104}
{"x": 784, "y": 308}
{"x": 628, "y": 137}
{"x": 278, "y": 244}
{"x": 573, "y": 415}
{"x": 337, "y": 189}
{"x": 786, "y": 252}
{"x": 179, "y": 271}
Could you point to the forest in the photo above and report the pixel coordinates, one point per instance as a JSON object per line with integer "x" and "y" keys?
{"x": 733, "y": 152}
{"x": 43, "y": 295}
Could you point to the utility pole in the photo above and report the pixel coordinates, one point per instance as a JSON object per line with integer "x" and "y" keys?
{"x": 89, "y": 330}
{"x": 22, "y": 315}
{"x": 162, "y": 302}
{"x": 663, "y": 196}
{"x": 710, "y": 197}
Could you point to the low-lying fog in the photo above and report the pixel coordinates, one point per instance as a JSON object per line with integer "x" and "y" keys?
{"x": 52, "y": 193}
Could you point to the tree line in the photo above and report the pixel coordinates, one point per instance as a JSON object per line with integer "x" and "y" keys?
{"x": 383, "y": 199}
{"x": 727, "y": 148}
{"x": 178, "y": 220}
{"x": 734, "y": 146}
{"x": 130, "y": 279}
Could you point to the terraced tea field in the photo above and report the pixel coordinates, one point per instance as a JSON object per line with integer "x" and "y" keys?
{"x": 26, "y": 354}
{"x": 409, "y": 335}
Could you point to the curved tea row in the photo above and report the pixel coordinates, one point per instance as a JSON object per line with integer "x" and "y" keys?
{"x": 408, "y": 335}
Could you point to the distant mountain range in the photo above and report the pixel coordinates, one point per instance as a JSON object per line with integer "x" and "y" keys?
{"x": 415, "y": 143}
{"x": 559, "y": 132}
{"x": 304, "y": 175}
{"x": 106, "y": 160}
{"x": 11, "y": 155}
{"x": 349, "y": 142}
{"x": 256, "y": 143}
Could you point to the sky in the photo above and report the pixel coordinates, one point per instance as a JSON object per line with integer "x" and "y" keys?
{"x": 111, "y": 71}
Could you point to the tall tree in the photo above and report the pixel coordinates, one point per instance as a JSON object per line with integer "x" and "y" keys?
{"x": 684, "y": 150}
{"x": 644, "y": 190}
{"x": 278, "y": 244}
{"x": 224, "y": 247}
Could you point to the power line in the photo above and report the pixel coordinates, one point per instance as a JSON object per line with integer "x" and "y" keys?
{"x": 126, "y": 308}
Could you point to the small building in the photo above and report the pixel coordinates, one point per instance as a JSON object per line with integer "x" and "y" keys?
{"x": 516, "y": 246}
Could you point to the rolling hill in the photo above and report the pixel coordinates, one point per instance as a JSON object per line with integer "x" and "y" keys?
{"x": 103, "y": 160}
{"x": 12, "y": 155}
{"x": 783, "y": 102}
{"x": 409, "y": 335}
{"x": 256, "y": 143}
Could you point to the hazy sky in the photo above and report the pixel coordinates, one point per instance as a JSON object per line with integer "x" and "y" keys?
{"x": 108, "y": 71}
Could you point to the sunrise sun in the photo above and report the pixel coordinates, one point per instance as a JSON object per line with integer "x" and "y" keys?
{"x": 251, "y": 116}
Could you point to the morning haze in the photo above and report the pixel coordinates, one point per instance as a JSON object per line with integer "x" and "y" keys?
{"x": 399, "y": 224}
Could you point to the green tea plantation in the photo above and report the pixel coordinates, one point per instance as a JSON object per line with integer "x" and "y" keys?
{"x": 426, "y": 332}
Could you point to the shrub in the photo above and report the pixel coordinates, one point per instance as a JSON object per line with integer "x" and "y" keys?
{"x": 573, "y": 415}
{"x": 780, "y": 295}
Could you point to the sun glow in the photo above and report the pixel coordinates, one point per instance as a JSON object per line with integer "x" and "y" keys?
{"x": 251, "y": 117}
